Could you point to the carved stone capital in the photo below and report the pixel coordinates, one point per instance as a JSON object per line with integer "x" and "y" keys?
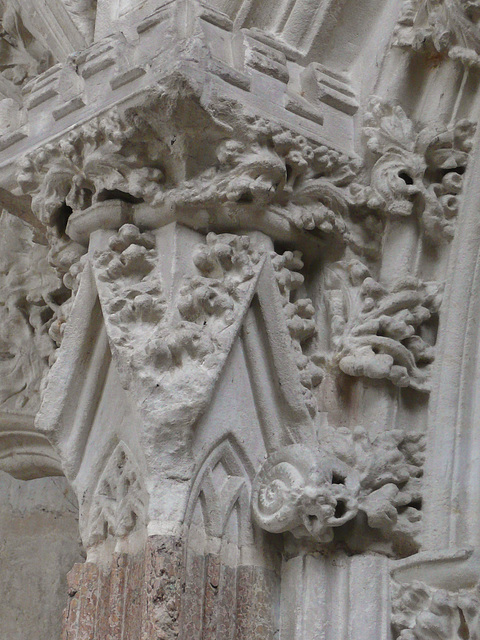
{"x": 263, "y": 177}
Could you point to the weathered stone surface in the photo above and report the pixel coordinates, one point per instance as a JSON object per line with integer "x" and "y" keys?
{"x": 39, "y": 542}
{"x": 239, "y": 312}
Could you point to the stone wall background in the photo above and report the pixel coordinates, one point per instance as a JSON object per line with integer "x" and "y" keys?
{"x": 39, "y": 543}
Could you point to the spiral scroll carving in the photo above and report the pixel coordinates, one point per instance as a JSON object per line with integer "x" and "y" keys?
{"x": 305, "y": 492}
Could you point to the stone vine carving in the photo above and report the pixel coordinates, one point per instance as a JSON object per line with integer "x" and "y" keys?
{"x": 31, "y": 297}
{"x": 93, "y": 163}
{"x": 373, "y": 484}
{"x": 416, "y": 172}
{"x": 300, "y": 320}
{"x": 379, "y": 332}
{"x": 263, "y": 177}
{"x": 276, "y": 174}
{"x": 189, "y": 339}
{"x": 420, "y": 611}
{"x": 119, "y": 502}
{"x": 22, "y": 55}
{"x": 446, "y": 27}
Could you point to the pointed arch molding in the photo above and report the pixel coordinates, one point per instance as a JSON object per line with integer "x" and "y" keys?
{"x": 217, "y": 499}
{"x": 119, "y": 502}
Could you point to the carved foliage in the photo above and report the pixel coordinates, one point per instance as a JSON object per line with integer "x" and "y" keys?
{"x": 193, "y": 338}
{"x": 119, "y": 502}
{"x": 446, "y": 26}
{"x": 300, "y": 318}
{"x": 379, "y": 332}
{"x": 93, "y": 163}
{"x": 313, "y": 492}
{"x": 416, "y": 172}
{"x": 268, "y": 173}
{"x": 420, "y": 611}
{"x": 263, "y": 177}
{"x": 31, "y": 296}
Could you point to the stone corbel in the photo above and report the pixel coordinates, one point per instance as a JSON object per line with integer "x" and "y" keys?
{"x": 351, "y": 488}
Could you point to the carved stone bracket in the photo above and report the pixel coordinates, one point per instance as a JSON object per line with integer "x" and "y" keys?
{"x": 352, "y": 488}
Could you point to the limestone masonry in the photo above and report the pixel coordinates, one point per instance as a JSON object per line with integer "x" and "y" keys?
{"x": 239, "y": 320}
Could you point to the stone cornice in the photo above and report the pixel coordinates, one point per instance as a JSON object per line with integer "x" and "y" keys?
{"x": 209, "y": 54}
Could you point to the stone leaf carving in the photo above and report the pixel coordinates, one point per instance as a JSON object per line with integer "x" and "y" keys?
{"x": 417, "y": 171}
{"x": 263, "y": 177}
{"x": 448, "y": 27}
{"x": 271, "y": 173}
{"x": 119, "y": 502}
{"x": 31, "y": 296}
{"x": 190, "y": 338}
{"x": 371, "y": 484}
{"x": 379, "y": 332}
{"x": 22, "y": 56}
{"x": 300, "y": 319}
{"x": 420, "y": 611}
{"x": 93, "y": 163}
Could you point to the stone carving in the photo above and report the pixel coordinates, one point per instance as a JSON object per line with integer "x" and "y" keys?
{"x": 264, "y": 177}
{"x": 416, "y": 172}
{"x": 94, "y": 163}
{"x": 420, "y": 611}
{"x": 379, "y": 332}
{"x": 191, "y": 343}
{"x": 279, "y": 176}
{"x": 119, "y": 503}
{"x": 31, "y": 296}
{"x": 304, "y": 492}
{"x": 313, "y": 492}
{"x": 300, "y": 317}
{"x": 83, "y": 14}
{"x": 446, "y": 27}
{"x": 221, "y": 485}
{"x": 22, "y": 55}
